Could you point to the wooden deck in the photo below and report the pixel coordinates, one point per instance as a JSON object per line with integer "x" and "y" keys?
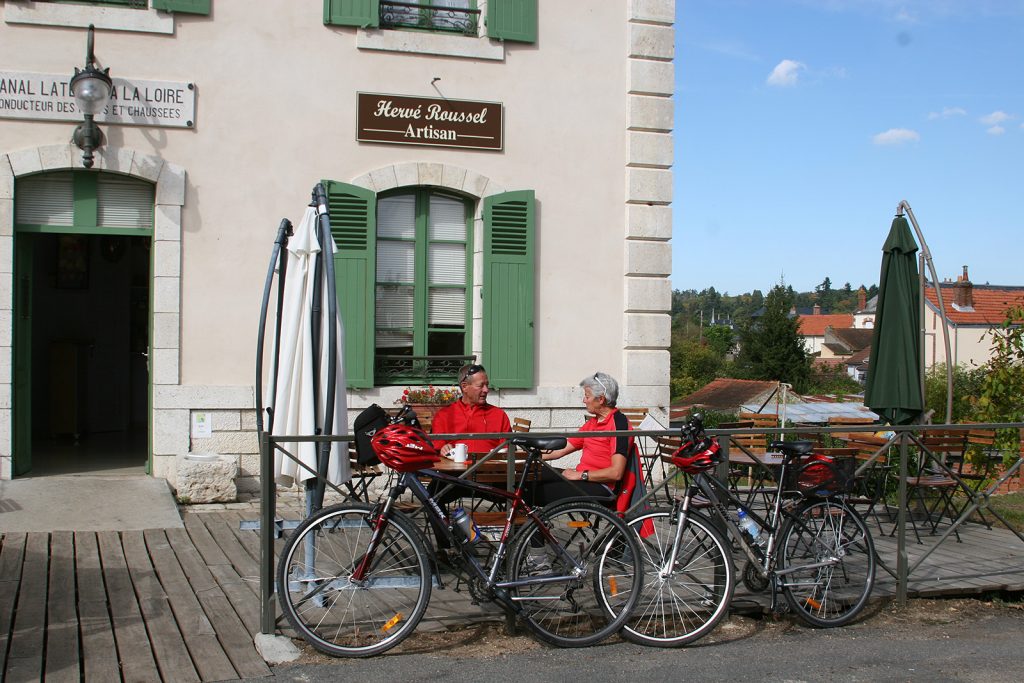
{"x": 163, "y": 604}
{"x": 182, "y": 604}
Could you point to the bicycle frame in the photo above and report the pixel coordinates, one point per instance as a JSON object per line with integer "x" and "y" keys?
{"x": 442, "y": 523}
{"x": 711, "y": 489}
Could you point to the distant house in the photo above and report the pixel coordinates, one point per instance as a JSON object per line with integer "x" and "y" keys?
{"x": 724, "y": 394}
{"x": 864, "y": 316}
{"x": 840, "y": 344}
{"x": 812, "y": 327}
{"x": 972, "y": 311}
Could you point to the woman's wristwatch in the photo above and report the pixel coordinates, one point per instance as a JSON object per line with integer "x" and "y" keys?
{"x": 585, "y": 476}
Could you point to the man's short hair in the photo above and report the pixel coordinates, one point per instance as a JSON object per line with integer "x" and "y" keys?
{"x": 467, "y": 371}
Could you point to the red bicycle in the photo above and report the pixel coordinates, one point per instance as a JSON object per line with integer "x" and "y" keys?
{"x": 354, "y": 580}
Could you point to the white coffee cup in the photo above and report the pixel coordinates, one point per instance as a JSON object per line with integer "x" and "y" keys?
{"x": 460, "y": 452}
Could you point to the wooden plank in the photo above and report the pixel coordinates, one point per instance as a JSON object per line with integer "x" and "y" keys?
{"x": 203, "y": 541}
{"x": 240, "y": 593}
{"x": 62, "y": 663}
{"x": 232, "y": 633}
{"x": 249, "y": 538}
{"x": 24, "y": 659}
{"x": 12, "y": 554}
{"x": 244, "y": 563}
{"x": 169, "y": 649}
{"x": 99, "y": 649}
{"x": 196, "y": 629}
{"x": 133, "y": 648}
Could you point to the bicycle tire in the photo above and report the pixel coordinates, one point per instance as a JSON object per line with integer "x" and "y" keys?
{"x": 677, "y": 609}
{"x": 335, "y": 615}
{"x": 585, "y": 610}
{"x": 832, "y": 595}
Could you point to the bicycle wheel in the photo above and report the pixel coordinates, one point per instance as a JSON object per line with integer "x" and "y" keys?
{"x": 687, "y": 601}
{"x": 826, "y": 531}
{"x": 592, "y": 602}
{"x": 336, "y": 614}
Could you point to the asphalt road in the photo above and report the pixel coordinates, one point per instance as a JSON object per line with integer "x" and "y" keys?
{"x": 933, "y": 640}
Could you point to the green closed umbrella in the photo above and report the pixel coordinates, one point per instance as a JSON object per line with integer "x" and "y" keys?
{"x": 894, "y": 367}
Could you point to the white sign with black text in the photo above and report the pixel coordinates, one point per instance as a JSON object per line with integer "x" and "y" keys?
{"x": 47, "y": 97}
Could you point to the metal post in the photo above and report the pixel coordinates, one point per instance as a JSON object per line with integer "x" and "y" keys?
{"x": 901, "y": 525}
{"x": 268, "y": 506}
{"x": 510, "y": 483}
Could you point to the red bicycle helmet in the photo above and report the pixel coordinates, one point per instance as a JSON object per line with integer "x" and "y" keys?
{"x": 694, "y": 457}
{"x": 404, "y": 448}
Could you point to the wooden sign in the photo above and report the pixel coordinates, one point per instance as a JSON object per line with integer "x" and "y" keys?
{"x": 403, "y": 120}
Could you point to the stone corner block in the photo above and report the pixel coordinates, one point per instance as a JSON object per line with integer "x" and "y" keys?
{"x": 170, "y": 188}
{"x": 206, "y": 478}
{"x": 25, "y": 161}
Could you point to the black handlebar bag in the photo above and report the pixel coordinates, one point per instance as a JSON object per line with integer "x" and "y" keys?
{"x": 365, "y": 426}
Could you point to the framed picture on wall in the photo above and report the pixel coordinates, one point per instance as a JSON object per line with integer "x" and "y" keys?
{"x": 72, "y": 261}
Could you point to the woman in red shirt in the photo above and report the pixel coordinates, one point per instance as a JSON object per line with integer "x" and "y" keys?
{"x": 603, "y": 463}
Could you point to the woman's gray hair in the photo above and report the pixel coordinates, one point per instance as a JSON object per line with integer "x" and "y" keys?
{"x": 602, "y": 384}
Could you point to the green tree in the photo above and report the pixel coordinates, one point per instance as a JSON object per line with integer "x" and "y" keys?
{"x": 1002, "y": 390}
{"x": 832, "y": 379}
{"x": 770, "y": 347}
{"x": 967, "y": 386}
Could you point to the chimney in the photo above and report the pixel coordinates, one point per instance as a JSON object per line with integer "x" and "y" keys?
{"x": 963, "y": 295}
{"x": 862, "y": 299}
{"x": 817, "y": 309}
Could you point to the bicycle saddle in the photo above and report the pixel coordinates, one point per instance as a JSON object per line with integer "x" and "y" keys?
{"x": 540, "y": 443}
{"x": 792, "y": 447}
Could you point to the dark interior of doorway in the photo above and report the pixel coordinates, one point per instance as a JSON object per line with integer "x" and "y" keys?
{"x": 90, "y": 338}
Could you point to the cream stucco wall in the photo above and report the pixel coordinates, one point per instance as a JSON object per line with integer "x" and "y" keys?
{"x": 588, "y": 117}
{"x": 970, "y": 346}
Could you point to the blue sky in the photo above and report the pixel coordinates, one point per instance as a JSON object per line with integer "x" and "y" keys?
{"x": 801, "y": 124}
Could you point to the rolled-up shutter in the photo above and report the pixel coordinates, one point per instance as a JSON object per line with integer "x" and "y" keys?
{"x": 353, "y": 212}
{"x": 508, "y": 290}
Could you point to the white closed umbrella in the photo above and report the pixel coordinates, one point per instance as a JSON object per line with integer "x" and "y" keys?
{"x": 299, "y": 393}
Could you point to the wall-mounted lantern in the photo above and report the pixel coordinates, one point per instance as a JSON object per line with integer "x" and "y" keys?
{"x": 91, "y": 89}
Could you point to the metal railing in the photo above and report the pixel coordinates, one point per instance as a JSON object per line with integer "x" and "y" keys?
{"x": 901, "y": 440}
{"x": 429, "y": 17}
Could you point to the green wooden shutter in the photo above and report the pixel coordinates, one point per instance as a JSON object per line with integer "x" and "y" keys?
{"x": 362, "y": 13}
{"x": 183, "y": 6}
{"x": 353, "y": 212}
{"x": 514, "y": 20}
{"x": 508, "y": 344}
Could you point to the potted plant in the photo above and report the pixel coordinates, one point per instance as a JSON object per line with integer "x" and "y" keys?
{"x": 426, "y": 401}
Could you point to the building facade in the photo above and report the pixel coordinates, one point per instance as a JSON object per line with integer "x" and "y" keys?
{"x": 499, "y": 175}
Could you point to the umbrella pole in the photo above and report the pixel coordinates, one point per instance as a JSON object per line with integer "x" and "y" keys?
{"x": 325, "y": 261}
{"x": 927, "y": 255}
{"x": 267, "y": 501}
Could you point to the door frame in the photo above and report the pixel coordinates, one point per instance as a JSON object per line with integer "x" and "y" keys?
{"x": 21, "y": 451}
{"x": 165, "y": 284}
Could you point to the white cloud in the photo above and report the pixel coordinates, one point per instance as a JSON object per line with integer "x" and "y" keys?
{"x": 995, "y": 118}
{"x": 786, "y": 73}
{"x": 995, "y": 130}
{"x": 946, "y": 113}
{"x": 896, "y": 136}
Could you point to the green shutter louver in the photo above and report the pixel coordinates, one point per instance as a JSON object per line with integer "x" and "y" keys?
{"x": 514, "y": 20}
{"x": 508, "y": 290}
{"x": 183, "y": 6}
{"x": 361, "y": 13}
{"x": 353, "y": 212}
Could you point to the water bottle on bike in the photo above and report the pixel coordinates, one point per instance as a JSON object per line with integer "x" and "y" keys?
{"x": 751, "y": 529}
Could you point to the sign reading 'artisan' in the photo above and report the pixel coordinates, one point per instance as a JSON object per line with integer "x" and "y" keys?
{"x": 428, "y": 121}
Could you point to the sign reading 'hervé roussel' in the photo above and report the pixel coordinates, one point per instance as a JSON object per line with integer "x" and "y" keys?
{"x": 407, "y": 120}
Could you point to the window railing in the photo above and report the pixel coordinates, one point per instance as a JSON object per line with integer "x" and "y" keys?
{"x": 418, "y": 369}
{"x": 429, "y": 17}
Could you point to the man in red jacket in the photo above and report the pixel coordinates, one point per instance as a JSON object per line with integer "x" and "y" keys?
{"x": 470, "y": 414}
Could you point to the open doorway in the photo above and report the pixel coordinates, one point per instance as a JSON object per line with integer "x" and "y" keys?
{"x": 90, "y": 303}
